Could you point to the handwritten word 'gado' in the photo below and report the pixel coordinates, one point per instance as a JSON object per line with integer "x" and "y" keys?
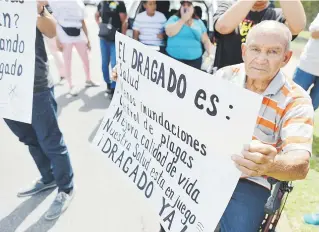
{"x": 10, "y": 69}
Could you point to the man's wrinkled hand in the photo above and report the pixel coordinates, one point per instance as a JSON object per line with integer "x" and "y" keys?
{"x": 257, "y": 159}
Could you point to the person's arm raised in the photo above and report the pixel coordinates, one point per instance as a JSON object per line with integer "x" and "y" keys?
{"x": 173, "y": 28}
{"x": 295, "y": 15}
{"x": 233, "y": 16}
{"x": 45, "y": 23}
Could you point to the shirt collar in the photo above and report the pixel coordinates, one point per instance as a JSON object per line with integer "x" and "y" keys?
{"x": 274, "y": 86}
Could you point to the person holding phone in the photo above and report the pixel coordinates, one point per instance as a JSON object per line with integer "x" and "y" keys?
{"x": 186, "y": 34}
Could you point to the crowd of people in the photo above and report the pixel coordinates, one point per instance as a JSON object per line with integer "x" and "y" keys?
{"x": 252, "y": 41}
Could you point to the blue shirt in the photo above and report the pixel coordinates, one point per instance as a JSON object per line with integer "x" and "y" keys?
{"x": 186, "y": 44}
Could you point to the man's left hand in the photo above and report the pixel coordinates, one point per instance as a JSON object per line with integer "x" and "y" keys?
{"x": 257, "y": 159}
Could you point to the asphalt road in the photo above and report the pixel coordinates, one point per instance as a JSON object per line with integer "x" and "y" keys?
{"x": 103, "y": 202}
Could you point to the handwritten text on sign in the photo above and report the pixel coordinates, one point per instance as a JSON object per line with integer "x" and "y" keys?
{"x": 17, "y": 57}
{"x": 171, "y": 130}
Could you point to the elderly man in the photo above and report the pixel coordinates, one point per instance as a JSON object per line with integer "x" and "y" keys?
{"x": 282, "y": 141}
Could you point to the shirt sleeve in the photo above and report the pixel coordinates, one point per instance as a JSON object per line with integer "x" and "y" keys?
{"x": 122, "y": 8}
{"x": 314, "y": 26}
{"x": 279, "y": 17}
{"x": 222, "y": 8}
{"x": 171, "y": 20}
{"x": 296, "y": 129}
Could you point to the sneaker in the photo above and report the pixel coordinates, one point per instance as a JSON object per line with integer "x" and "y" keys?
{"x": 59, "y": 205}
{"x": 312, "y": 219}
{"x": 38, "y": 186}
{"x": 73, "y": 91}
{"x": 90, "y": 83}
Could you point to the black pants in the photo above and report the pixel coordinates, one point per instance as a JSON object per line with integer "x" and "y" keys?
{"x": 45, "y": 141}
{"x": 197, "y": 63}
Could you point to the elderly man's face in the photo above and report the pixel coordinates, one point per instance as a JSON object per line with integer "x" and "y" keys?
{"x": 264, "y": 55}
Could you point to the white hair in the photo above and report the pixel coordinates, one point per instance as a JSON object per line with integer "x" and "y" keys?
{"x": 274, "y": 28}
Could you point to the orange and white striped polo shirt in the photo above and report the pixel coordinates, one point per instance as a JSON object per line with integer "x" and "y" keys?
{"x": 285, "y": 118}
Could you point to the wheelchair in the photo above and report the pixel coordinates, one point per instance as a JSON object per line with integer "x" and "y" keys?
{"x": 275, "y": 204}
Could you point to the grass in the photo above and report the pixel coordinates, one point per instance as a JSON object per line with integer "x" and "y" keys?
{"x": 305, "y": 196}
{"x": 304, "y": 35}
{"x": 302, "y": 200}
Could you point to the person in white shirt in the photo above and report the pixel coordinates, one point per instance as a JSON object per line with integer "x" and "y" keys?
{"x": 148, "y": 26}
{"x": 72, "y": 32}
{"x": 307, "y": 72}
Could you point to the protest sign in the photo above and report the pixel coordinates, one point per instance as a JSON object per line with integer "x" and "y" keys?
{"x": 170, "y": 130}
{"x": 17, "y": 57}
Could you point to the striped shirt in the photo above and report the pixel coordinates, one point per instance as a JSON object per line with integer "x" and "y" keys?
{"x": 285, "y": 118}
{"x": 149, "y": 27}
